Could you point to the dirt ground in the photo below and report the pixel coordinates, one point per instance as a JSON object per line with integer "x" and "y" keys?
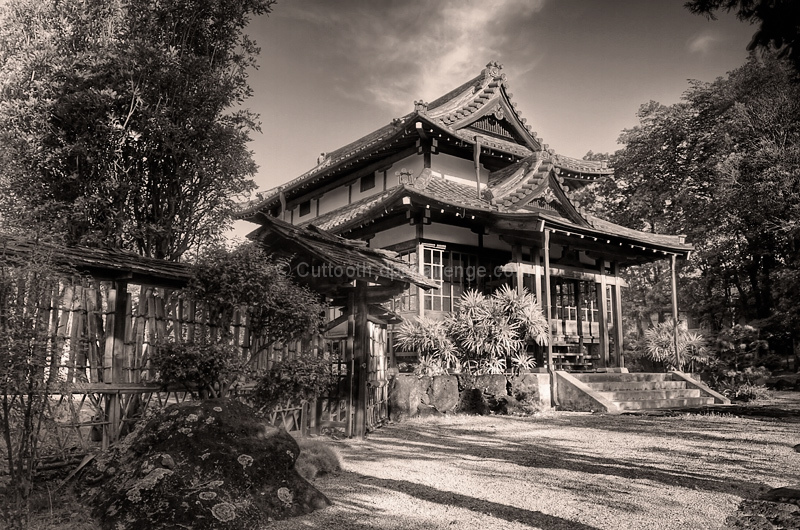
{"x": 560, "y": 470}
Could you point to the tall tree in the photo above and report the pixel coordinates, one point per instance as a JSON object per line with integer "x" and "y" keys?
{"x": 121, "y": 121}
{"x": 721, "y": 166}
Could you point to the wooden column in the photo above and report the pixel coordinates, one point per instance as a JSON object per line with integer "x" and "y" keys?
{"x": 617, "y": 308}
{"x": 537, "y": 261}
{"x": 516, "y": 257}
{"x": 548, "y": 300}
{"x": 361, "y": 354}
{"x": 114, "y": 357}
{"x": 674, "y": 270}
{"x": 602, "y": 314}
{"x": 348, "y": 356}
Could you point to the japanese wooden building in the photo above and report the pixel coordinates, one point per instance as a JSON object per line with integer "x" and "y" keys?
{"x": 465, "y": 192}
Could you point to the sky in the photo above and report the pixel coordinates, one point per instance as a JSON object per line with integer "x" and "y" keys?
{"x": 333, "y": 71}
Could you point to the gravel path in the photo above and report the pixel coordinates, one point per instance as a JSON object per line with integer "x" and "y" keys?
{"x": 557, "y": 471}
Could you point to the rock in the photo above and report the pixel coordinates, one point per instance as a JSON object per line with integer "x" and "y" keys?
{"x": 472, "y": 401}
{"x": 404, "y": 397}
{"x": 444, "y": 393}
{"x": 201, "y": 465}
{"x": 785, "y": 494}
{"x": 492, "y": 384}
{"x": 427, "y": 411}
{"x": 797, "y": 448}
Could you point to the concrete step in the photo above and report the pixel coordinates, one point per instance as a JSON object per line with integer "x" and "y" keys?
{"x": 621, "y": 378}
{"x": 652, "y": 395}
{"x": 664, "y": 403}
{"x": 611, "y": 386}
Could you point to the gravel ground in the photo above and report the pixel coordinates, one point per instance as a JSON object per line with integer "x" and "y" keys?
{"x": 557, "y": 470}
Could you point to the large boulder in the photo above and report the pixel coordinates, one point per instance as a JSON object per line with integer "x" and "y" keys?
{"x": 200, "y": 465}
{"x": 492, "y": 385}
{"x": 444, "y": 393}
{"x": 405, "y": 396}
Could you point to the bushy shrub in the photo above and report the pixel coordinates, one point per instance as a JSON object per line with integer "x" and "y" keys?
{"x": 481, "y": 335}
{"x": 741, "y": 385}
{"x": 749, "y": 392}
{"x": 316, "y": 458}
{"x": 659, "y": 346}
{"x": 295, "y": 380}
{"x": 204, "y": 369}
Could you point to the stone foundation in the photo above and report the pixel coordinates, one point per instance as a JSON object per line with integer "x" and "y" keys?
{"x": 411, "y": 396}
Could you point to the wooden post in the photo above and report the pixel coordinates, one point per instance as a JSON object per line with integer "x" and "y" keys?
{"x": 537, "y": 257}
{"x": 674, "y": 270}
{"x": 516, "y": 257}
{"x": 616, "y": 302}
{"x": 602, "y": 314}
{"x": 547, "y": 301}
{"x": 361, "y": 358}
{"x": 351, "y": 333}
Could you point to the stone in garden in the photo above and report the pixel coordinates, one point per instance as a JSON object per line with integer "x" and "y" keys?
{"x": 797, "y": 448}
{"x": 444, "y": 393}
{"x": 785, "y": 494}
{"x": 492, "y": 384}
{"x": 404, "y": 397}
{"x": 200, "y": 465}
{"x": 472, "y": 401}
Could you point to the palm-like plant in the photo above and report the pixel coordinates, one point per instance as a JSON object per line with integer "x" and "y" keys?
{"x": 660, "y": 345}
{"x": 431, "y": 339}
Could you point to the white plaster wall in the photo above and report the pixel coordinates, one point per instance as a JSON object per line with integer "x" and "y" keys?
{"x": 303, "y": 219}
{"x": 357, "y": 195}
{"x": 414, "y": 163}
{"x": 451, "y": 166}
{"x": 450, "y": 234}
{"x": 336, "y": 198}
{"x": 392, "y": 236}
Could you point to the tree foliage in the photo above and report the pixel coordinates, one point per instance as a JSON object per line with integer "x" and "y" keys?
{"x": 779, "y": 22}
{"x": 721, "y": 167}
{"x": 121, "y": 121}
{"x": 246, "y": 278}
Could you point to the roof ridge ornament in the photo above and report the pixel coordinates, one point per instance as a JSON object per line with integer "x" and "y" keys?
{"x": 420, "y": 106}
{"x": 493, "y": 69}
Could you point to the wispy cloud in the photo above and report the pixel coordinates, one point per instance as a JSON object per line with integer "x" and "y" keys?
{"x": 415, "y": 49}
{"x": 703, "y": 43}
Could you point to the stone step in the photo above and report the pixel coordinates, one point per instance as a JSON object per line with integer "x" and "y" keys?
{"x": 652, "y": 395}
{"x": 621, "y": 378}
{"x": 611, "y": 386}
{"x": 664, "y": 403}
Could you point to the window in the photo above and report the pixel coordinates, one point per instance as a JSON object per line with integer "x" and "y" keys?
{"x": 407, "y": 300}
{"x": 455, "y": 272}
{"x": 367, "y": 182}
{"x": 305, "y": 208}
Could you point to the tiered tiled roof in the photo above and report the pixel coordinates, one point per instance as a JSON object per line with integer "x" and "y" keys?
{"x": 456, "y": 114}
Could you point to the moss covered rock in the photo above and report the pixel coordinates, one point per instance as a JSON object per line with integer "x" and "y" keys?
{"x": 209, "y": 464}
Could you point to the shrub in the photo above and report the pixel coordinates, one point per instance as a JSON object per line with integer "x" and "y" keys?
{"x": 749, "y": 392}
{"x": 295, "y": 380}
{"x": 28, "y": 369}
{"x": 316, "y": 458}
{"x": 482, "y": 334}
{"x": 659, "y": 345}
{"x": 204, "y": 369}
